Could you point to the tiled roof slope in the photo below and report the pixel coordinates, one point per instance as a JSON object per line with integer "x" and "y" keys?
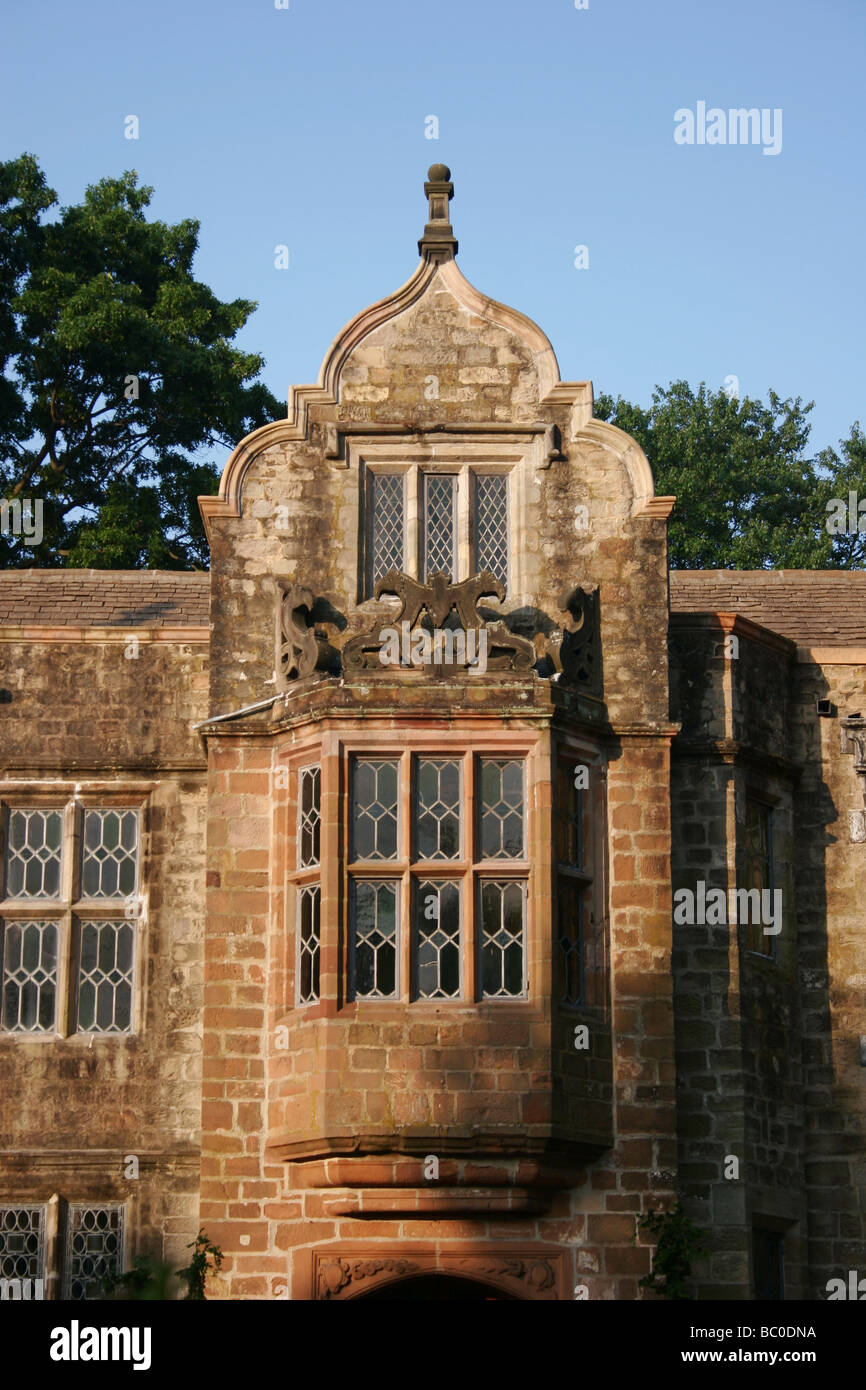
{"x": 103, "y": 598}
{"x": 815, "y": 608}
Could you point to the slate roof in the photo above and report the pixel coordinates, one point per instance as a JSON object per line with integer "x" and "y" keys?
{"x": 103, "y": 598}
{"x": 815, "y": 608}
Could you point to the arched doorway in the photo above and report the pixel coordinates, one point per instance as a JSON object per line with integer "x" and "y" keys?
{"x": 438, "y": 1286}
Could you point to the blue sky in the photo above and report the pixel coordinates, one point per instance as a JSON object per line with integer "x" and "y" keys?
{"x": 306, "y": 127}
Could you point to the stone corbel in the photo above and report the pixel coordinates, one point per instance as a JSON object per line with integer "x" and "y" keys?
{"x": 332, "y": 445}
{"x": 575, "y": 658}
{"x": 301, "y": 648}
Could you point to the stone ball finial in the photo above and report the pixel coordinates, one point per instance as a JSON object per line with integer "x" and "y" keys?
{"x": 438, "y": 173}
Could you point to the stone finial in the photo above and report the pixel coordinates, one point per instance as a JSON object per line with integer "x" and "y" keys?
{"x": 438, "y": 242}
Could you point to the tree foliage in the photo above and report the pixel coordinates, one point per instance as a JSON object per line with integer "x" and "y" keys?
{"x": 748, "y": 494}
{"x": 118, "y": 371}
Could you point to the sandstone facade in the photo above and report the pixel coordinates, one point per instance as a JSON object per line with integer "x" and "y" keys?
{"x": 377, "y": 1035}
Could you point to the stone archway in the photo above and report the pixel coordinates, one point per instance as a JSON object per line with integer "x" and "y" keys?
{"x": 439, "y": 1287}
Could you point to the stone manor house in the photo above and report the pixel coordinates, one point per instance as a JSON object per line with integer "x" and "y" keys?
{"x": 439, "y": 883}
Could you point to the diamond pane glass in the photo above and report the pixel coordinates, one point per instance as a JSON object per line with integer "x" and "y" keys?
{"x": 110, "y": 868}
{"x": 439, "y": 493}
{"x": 437, "y": 940}
{"x": 309, "y": 905}
{"x": 502, "y": 940}
{"x": 29, "y": 977}
{"x": 33, "y": 854}
{"x": 309, "y": 817}
{"x": 501, "y": 808}
{"x": 374, "y": 940}
{"x": 374, "y": 809}
{"x": 105, "y": 977}
{"x": 386, "y": 541}
{"x": 437, "y": 809}
{"x": 491, "y": 525}
{"x": 94, "y": 1249}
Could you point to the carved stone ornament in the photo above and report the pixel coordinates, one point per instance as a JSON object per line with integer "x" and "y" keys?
{"x": 527, "y": 1276}
{"x": 335, "y": 1275}
{"x": 401, "y": 640}
{"x": 575, "y": 658}
{"x": 301, "y": 649}
{"x": 537, "y": 1274}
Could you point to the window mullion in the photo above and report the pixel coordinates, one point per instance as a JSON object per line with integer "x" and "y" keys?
{"x": 470, "y": 882}
{"x": 405, "y": 851}
{"x": 69, "y": 889}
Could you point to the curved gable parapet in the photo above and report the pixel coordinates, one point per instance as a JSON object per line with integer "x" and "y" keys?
{"x": 515, "y": 323}
{"x": 492, "y": 367}
{"x": 607, "y": 436}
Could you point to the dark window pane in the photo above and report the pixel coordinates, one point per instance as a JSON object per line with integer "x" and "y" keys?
{"x": 437, "y": 939}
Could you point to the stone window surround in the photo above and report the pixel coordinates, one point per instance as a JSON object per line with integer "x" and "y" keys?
{"x": 69, "y": 908}
{"x": 333, "y": 751}
{"x": 464, "y": 458}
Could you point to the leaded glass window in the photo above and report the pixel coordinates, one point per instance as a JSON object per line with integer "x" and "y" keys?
{"x": 309, "y": 943}
{"x": 437, "y": 939}
{"x": 29, "y": 977}
{"x": 375, "y": 939}
{"x": 374, "y": 809}
{"x": 464, "y": 928}
{"x": 438, "y": 809}
{"x": 22, "y": 1242}
{"x": 105, "y": 968}
{"x": 309, "y": 817}
{"x": 387, "y": 524}
{"x": 110, "y": 861}
{"x": 33, "y": 855}
{"x": 569, "y": 818}
{"x": 580, "y": 942}
{"x": 80, "y": 864}
{"x": 491, "y": 524}
{"x": 94, "y": 1249}
{"x": 571, "y": 940}
{"x": 502, "y": 802}
{"x": 440, "y": 494}
{"x": 759, "y": 873}
{"x": 503, "y": 945}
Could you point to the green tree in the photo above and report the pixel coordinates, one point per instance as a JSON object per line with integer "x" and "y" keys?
{"x": 117, "y": 372}
{"x": 748, "y": 494}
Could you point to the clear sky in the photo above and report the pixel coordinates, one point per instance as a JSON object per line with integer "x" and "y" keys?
{"x": 306, "y": 126}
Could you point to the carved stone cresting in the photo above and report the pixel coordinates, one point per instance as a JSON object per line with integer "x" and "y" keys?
{"x": 576, "y": 656}
{"x": 301, "y": 649}
{"x": 438, "y": 599}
